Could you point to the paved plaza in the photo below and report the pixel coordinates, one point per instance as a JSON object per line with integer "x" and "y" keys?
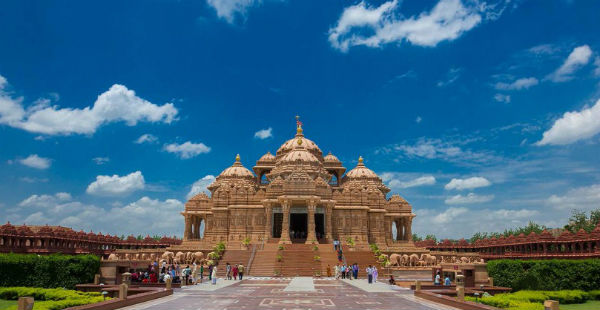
{"x": 290, "y": 294}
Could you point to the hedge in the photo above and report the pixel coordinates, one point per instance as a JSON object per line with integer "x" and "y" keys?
{"x": 533, "y": 300}
{"x": 47, "y": 271}
{"x": 546, "y": 275}
{"x": 50, "y": 299}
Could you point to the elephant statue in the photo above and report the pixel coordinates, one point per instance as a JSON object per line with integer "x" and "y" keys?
{"x": 382, "y": 257}
{"x": 113, "y": 257}
{"x": 414, "y": 260}
{"x": 198, "y": 257}
{"x": 464, "y": 260}
{"x": 405, "y": 260}
{"x": 395, "y": 260}
{"x": 179, "y": 258}
{"x": 431, "y": 260}
{"x": 127, "y": 256}
{"x": 189, "y": 257}
{"x": 168, "y": 256}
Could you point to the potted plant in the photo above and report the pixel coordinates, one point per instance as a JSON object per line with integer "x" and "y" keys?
{"x": 315, "y": 248}
{"x": 277, "y": 273}
{"x": 351, "y": 243}
{"x": 318, "y": 273}
{"x": 245, "y": 243}
{"x": 317, "y": 258}
{"x": 279, "y": 257}
{"x": 280, "y": 247}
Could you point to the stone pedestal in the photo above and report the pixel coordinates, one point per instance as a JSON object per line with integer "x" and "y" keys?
{"x": 96, "y": 279}
{"x": 551, "y": 305}
{"x": 460, "y": 287}
{"x": 168, "y": 284}
{"x": 25, "y": 303}
{"x": 126, "y": 278}
{"x": 123, "y": 290}
{"x": 417, "y": 286}
{"x": 491, "y": 281}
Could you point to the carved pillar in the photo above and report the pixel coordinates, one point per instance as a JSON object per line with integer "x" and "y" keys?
{"x": 186, "y": 233}
{"x": 399, "y": 229}
{"x": 196, "y": 228}
{"x": 311, "y": 236}
{"x": 328, "y": 223}
{"x": 268, "y": 225}
{"x": 285, "y": 224}
{"x": 409, "y": 228}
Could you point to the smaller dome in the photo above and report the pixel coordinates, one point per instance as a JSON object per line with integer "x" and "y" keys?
{"x": 330, "y": 158}
{"x": 237, "y": 170}
{"x": 299, "y": 154}
{"x": 267, "y": 158}
{"x": 361, "y": 171}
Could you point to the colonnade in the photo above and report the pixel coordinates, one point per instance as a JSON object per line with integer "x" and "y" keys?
{"x": 192, "y": 226}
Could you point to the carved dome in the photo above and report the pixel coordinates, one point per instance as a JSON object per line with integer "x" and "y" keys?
{"x": 331, "y": 160}
{"x": 299, "y": 139}
{"x": 268, "y": 158}
{"x": 237, "y": 170}
{"x": 299, "y": 154}
{"x": 361, "y": 172}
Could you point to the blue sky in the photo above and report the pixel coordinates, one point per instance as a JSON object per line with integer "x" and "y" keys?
{"x": 482, "y": 114}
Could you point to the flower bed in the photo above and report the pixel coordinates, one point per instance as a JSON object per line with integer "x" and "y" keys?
{"x": 533, "y": 300}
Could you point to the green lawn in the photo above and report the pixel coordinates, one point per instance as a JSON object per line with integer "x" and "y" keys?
{"x": 589, "y": 305}
{"x": 4, "y": 304}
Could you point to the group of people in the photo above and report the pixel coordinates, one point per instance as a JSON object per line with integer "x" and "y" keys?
{"x": 438, "y": 278}
{"x": 234, "y": 272}
{"x": 343, "y": 271}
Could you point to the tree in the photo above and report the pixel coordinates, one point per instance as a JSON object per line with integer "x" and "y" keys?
{"x": 579, "y": 220}
{"x": 416, "y": 238}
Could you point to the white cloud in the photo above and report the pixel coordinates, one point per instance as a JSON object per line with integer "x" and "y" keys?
{"x": 573, "y": 126}
{"x": 579, "y": 57}
{"x": 420, "y": 181}
{"x": 33, "y": 180}
{"x": 468, "y": 199}
{"x": 34, "y": 161}
{"x": 502, "y": 98}
{"x": 449, "y": 215}
{"x": 470, "y": 183}
{"x": 200, "y": 186}
{"x": 116, "y": 185}
{"x": 146, "y": 138}
{"x": 583, "y": 198}
{"x": 451, "y": 77}
{"x": 228, "y": 9}
{"x": 132, "y": 218}
{"x": 418, "y": 120}
{"x": 362, "y": 24}
{"x": 187, "y": 149}
{"x": 515, "y": 214}
{"x": 118, "y": 104}
{"x": 264, "y": 133}
{"x": 522, "y": 83}
{"x": 101, "y": 160}
{"x": 597, "y": 64}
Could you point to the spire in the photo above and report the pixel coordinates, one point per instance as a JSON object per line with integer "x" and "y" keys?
{"x": 237, "y": 158}
{"x": 298, "y": 126}
{"x": 360, "y": 161}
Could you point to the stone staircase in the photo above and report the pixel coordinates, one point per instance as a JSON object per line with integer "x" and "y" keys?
{"x": 265, "y": 261}
{"x": 297, "y": 260}
{"x": 362, "y": 258}
{"x": 234, "y": 257}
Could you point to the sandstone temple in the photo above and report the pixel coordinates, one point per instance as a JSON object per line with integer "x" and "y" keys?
{"x": 298, "y": 196}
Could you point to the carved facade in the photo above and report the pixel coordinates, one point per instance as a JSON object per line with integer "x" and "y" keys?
{"x": 298, "y": 195}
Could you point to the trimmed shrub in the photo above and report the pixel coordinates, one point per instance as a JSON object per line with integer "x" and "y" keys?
{"x": 533, "y": 300}
{"x": 51, "y": 299}
{"x": 47, "y": 271}
{"x": 547, "y": 275}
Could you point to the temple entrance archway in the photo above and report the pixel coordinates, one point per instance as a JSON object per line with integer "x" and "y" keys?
{"x": 277, "y": 222}
{"x": 298, "y": 227}
{"x": 320, "y": 225}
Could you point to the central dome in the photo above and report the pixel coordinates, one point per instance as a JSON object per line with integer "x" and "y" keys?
{"x": 299, "y": 140}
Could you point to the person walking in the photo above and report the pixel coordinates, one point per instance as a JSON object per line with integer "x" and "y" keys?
{"x": 355, "y": 270}
{"x": 343, "y": 271}
{"x": 214, "y": 275}
{"x": 210, "y": 268}
{"x": 328, "y": 271}
{"x": 241, "y": 271}
{"x": 235, "y": 272}
{"x": 186, "y": 274}
{"x": 375, "y": 274}
{"x": 228, "y": 270}
{"x": 201, "y": 272}
{"x": 195, "y": 274}
{"x": 370, "y": 274}
{"x": 336, "y": 271}
{"x": 437, "y": 280}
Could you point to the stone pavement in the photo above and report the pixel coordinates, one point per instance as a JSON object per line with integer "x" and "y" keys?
{"x": 290, "y": 294}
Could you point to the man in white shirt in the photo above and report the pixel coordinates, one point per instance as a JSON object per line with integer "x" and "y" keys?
{"x": 370, "y": 274}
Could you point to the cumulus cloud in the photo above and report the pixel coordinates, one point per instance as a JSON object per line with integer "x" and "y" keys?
{"x": 133, "y": 218}
{"x": 116, "y": 185}
{"x": 522, "y": 83}
{"x": 101, "y": 160}
{"x": 264, "y": 133}
{"x": 449, "y": 215}
{"x": 118, "y": 104}
{"x": 469, "y": 183}
{"x": 363, "y": 24}
{"x": 187, "y": 150}
{"x": 146, "y": 138}
{"x": 201, "y": 186}
{"x": 229, "y": 9}
{"x": 394, "y": 182}
{"x": 582, "y": 198}
{"x": 502, "y": 98}
{"x": 35, "y": 161}
{"x": 573, "y": 126}
{"x": 579, "y": 57}
{"x": 597, "y": 64}
{"x": 468, "y": 199}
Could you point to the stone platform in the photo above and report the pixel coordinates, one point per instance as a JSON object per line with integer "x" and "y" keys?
{"x": 291, "y": 293}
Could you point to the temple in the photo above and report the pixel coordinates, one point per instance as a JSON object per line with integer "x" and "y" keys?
{"x": 298, "y": 196}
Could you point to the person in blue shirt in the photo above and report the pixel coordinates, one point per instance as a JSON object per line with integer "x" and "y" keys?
{"x": 447, "y": 281}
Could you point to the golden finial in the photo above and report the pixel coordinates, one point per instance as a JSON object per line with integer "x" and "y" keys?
{"x": 360, "y": 160}
{"x": 298, "y": 125}
{"x": 237, "y": 157}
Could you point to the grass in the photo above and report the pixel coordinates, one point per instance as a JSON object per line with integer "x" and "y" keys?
{"x": 5, "y": 304}
{"x": 590, "y": 304}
